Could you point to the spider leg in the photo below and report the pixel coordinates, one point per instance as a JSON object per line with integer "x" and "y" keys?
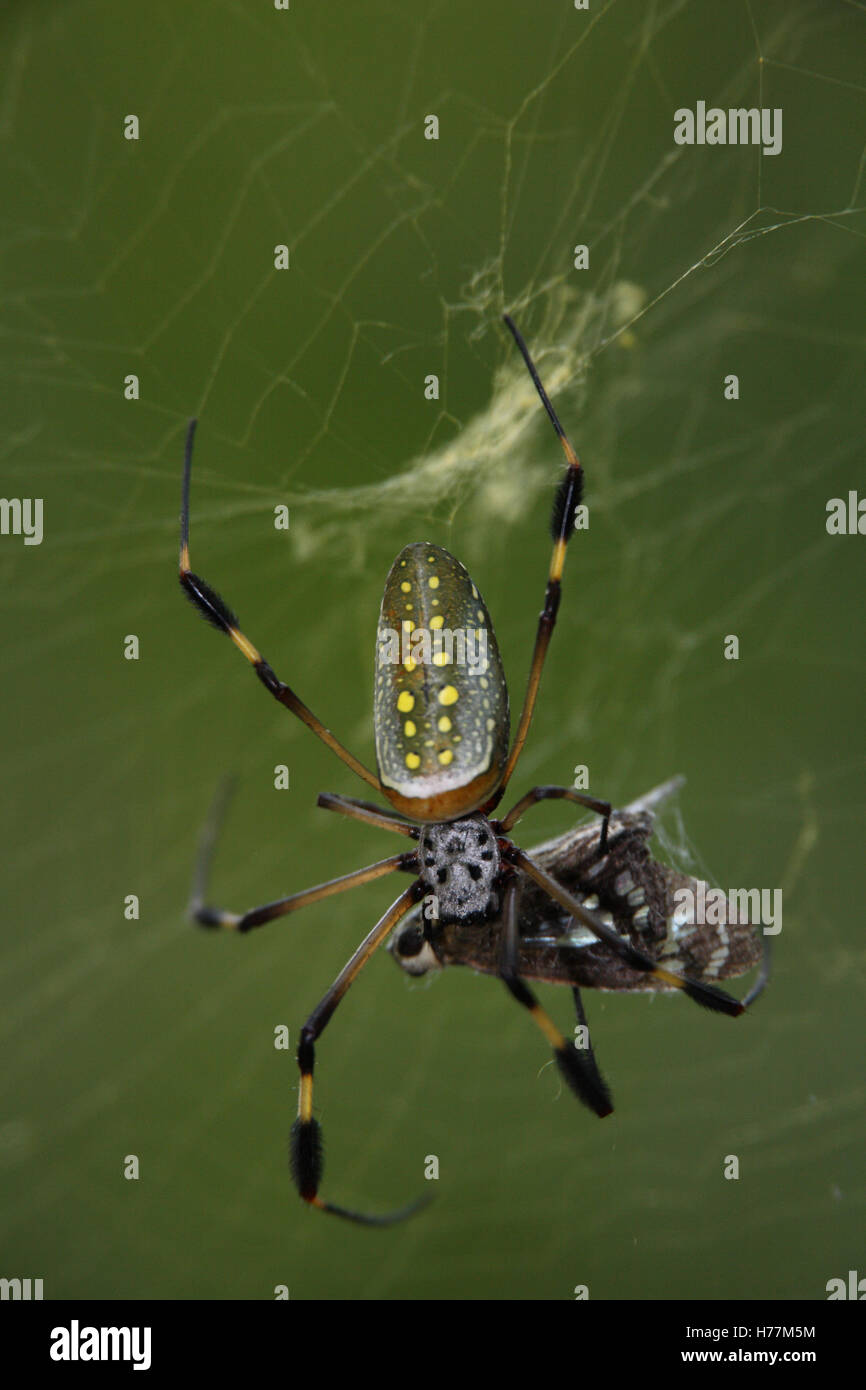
{"x": 368, "y": 812}
{"x": 577, "y": 1066}
{"x": 595, "y": 1082}
{"x": 220, "y": 616}
{"x": 207, "y": 916}
{"x": 306, "y": 1141}
{"x": 258, "y": 916}
{"x": 537, "y": 794}
{"x": 707, "y": 995}
{"x": 562, "y": 526}
{"x": 763, "y": 975}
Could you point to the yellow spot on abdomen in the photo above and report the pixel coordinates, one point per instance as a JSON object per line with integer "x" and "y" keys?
{"x": 412, "y": 761}
{"x": 448, "y": 695}
{"x": 437, "y": 622}
{"x": 446, "y": 757}
{"x": 409, "y": 729}
{"x": 443, "y": 724}
{"x": 433, "y": 581}
{"x": 441, "y": 659}
{"x": 405, "y": 702}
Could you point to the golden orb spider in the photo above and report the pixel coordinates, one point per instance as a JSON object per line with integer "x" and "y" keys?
{"x": 442, "y": 749}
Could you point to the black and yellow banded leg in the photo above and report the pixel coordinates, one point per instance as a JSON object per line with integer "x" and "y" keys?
{"x": 537, "y": 794}
{"x": 577, "y": 1066}
{"x": 306, "y": 1141}
{"x": 258, "y": 916}
{"x": 706, "y": 995}
{"x": 218, "y": 613}
{"x": 208, "y": 916}
{"x": 595, "y": 1082}
{"x": 562, "y": 526}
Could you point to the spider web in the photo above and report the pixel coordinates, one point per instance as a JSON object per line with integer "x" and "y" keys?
{"x": 155, "y": 258}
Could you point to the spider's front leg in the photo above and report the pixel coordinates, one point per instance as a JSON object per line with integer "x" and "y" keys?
{"x": 216, "y": 611}
{"x": 306, "y": 1140}
{"x": 536, "y": 794}
{"x": 562, "y": 525}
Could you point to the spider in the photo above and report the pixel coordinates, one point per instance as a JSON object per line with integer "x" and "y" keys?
{"x": 442, "y": 733}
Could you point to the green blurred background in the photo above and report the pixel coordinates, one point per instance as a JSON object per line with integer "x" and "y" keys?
{"x": 155, "y": 257}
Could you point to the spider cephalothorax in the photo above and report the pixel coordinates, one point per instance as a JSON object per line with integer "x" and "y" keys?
{"x": 460, "y": 865}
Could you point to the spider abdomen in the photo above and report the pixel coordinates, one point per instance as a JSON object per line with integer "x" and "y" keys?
{"x": 440, "y": 706}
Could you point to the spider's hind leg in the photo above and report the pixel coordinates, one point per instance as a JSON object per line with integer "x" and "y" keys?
{"x": 306, "y": 1141}
{"x": 577, "y": 1065}
{"x": 597, "y": 1096}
